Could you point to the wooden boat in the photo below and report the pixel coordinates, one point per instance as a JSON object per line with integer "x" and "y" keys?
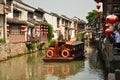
{"x": 64, "y": 51}
{"x": 56, "y": 59}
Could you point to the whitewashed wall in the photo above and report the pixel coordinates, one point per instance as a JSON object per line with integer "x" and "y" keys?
{"x": 72, "y": 31}
{"x": 24, "y": 11}
{"x": 53, "y": 21}
{"x": 1, "y": 26}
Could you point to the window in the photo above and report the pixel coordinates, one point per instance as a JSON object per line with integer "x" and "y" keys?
{"x": 14, "y": 29}
{"x": 8, "y": 3}
{"x": 39, "y": 15}
{"x": 30, "y": 15}
{"x": 16, "y": 14}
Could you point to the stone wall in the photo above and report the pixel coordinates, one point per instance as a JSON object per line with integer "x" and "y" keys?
{"x": 12, "y": 49}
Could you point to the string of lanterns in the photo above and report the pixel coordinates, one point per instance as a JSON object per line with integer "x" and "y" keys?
{"x": 110, "y": 20}
{"x": 23, "y": 28}
{"x": 98, "y": 6}
{"x": 42, "y": 29}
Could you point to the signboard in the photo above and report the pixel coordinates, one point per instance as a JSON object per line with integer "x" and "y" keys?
{"x": 1, "y": 9}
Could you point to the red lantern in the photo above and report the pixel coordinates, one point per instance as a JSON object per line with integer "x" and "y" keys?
{"x": 8, "y": 30}
{"x": 23, "y": 27}
{"x": 46, "y": 27}
{"x": 23, "y": 30}
{"x": 38, "y": 27}
{"x": 108, "y": 31}
{"x": 98, "y": 1}
{"x": 7, "y": 25}
{"x": 41, "y": 26}
{"x": 107, "y": 25}
{"x": 38, "y": 30}
{"x": 111, "y": 19}
{"x": 42, "y": 32}
{"x": 6, "y": 8}
{"x": 98, "y": 6}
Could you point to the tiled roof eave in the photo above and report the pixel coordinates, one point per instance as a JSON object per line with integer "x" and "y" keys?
{"x": 16, "y": 21}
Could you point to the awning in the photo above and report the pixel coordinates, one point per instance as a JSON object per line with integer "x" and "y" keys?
{"x": 30, "y": 24}
{"x": 16, "y": 21}
{"x": 71, "y": 28}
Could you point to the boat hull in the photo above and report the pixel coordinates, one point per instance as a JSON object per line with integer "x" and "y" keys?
{"x": 57, "y": 59}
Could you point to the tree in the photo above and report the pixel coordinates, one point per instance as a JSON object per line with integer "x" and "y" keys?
{"x": 50, "y": 32}
{"x": 91, "y": 17}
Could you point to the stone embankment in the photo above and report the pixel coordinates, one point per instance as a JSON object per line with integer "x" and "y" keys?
{"x": 12, "y": 49}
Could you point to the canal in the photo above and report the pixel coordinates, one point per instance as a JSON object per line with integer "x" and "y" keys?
{"x": 31, "y": 67}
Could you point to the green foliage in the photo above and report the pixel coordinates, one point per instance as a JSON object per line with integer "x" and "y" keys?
{"x": 52, "y": 42}
{"x": 80, "y": 36}
{"x": 50, "y": 32}
{"x": 91, "y": 16}
{"x": 2, "y": 41}
{"x": 31, "y": 45}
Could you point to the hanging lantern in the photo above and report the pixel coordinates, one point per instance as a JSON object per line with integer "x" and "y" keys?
{"x": 98, "y": 6}
{"x": 98, "y": 1}
{"x": 108, "y": 31}
{"x": 38, "y": 30}
{"x": 46, "y": 27}
{"x": 8, "y": 30}
{"x": 111, "y": 19}
{"x": 41, "y": 26}
{"x": 7, "y": 25}
{"x": 45, "y": 33}
{"x": 107, "y": 25}
{"x": 23, "y": 27}
{"x": 23, "y": 30}
{"x": 6, "y": 8}
{"x": 38, "y": 27}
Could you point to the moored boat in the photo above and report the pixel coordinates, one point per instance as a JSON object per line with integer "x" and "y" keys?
{"x": 64, "y": 51}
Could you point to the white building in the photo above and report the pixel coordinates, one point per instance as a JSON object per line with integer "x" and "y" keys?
{"x": 51, "y": 19}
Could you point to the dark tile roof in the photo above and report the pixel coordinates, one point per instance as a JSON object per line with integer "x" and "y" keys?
{"x": 20, "y": 1}
{"x": 30, "y": 23}
{"x": 40, "y": 10}
{"x": 38, "y": 22}
{"x": 34, "y": 22}
{"x": 55, "y": 14}
{"x": 65, "y": 17}
{"x": 15, "y": 21}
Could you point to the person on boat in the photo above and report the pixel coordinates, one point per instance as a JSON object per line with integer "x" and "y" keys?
{"x": 117, "y": 39}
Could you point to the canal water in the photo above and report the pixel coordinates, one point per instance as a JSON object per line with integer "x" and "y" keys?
{"x": 31, "y": 67}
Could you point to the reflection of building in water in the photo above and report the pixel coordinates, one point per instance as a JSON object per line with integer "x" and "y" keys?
{"x": 62, "y": 70}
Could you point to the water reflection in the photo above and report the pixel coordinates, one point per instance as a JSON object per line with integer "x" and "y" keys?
{"x": 31, "y": 67}
{"x": 62, "y": 70}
